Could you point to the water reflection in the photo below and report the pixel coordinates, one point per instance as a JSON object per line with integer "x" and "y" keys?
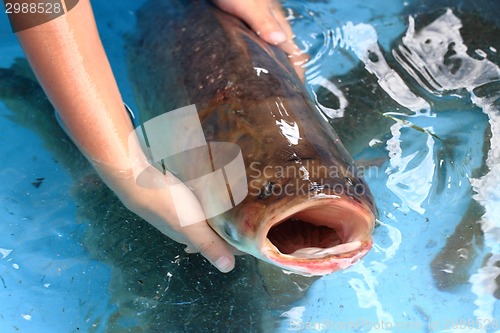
{"x": 438, "y": 59}
{"x": 427, "y": 107}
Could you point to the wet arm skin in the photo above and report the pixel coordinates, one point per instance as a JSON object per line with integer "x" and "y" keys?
{"x": 69, "y": 60}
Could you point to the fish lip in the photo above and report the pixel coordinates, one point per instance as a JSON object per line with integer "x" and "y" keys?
{"x": 356, "y": 235}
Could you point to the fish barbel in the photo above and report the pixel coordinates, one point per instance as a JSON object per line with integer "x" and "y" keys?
{"x": 307, "y": 209}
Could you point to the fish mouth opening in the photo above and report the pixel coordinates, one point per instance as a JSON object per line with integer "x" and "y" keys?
{"x": 321, "y": 238}
{"x": 294, "y": 234}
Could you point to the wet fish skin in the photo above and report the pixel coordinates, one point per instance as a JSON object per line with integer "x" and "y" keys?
{"x": 246, "y": 92}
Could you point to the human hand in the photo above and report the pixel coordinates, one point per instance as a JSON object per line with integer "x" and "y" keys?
{"x": 150, "y": 197}
{"x": 267, "y": 19}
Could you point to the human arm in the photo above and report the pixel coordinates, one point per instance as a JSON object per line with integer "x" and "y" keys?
{"x": 68, "y": 59}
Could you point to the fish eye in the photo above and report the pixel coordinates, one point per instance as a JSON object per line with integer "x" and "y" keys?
{"x": 266, "y": 190}
{"x": 348, "y": 181}
{"x": 231, "y": 232}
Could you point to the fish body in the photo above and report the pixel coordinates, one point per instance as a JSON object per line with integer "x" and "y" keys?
{"x": 307, "y": 209}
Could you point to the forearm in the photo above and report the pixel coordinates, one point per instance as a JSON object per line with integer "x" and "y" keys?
{"x": 69, "y": 61}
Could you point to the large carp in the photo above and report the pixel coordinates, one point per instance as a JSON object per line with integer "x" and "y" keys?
{"x": 307, "y": 208}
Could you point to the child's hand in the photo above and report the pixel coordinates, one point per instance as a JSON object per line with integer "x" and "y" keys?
{"x": 156, "y": 205}
{"x": 266, "y": 18}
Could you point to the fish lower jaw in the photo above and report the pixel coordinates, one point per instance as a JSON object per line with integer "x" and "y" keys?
{"x": 318, "y": 237}
{"x": 319, "y": 261}
{"x": 319, "y": 252}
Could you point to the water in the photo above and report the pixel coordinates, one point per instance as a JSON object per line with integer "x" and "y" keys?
{"x": 417, "y": 108}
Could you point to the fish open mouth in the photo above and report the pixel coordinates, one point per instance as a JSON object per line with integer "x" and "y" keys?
{"x": 320, "y": 238}
{"x": 294, "y": 235}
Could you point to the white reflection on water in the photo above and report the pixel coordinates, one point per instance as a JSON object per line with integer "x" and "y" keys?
{"x": 412, "y": 184}
{"x": 362, "y": 40}
{"x": 365, "y": 286}
{"x": 428, "y": 171}
{"x": 487, "y": 190}
{"x": 437, "y": 58}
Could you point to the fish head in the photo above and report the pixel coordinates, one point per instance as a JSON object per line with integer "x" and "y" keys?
{"x": 302, "y": 217}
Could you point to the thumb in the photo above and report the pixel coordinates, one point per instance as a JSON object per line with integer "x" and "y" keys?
{"x": 267, "y": 19}
{"x": 259, "y": 15}
{"x": 203, "y": 239}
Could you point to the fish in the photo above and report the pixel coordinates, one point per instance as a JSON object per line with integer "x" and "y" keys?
{"x": 308, "y": 209}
